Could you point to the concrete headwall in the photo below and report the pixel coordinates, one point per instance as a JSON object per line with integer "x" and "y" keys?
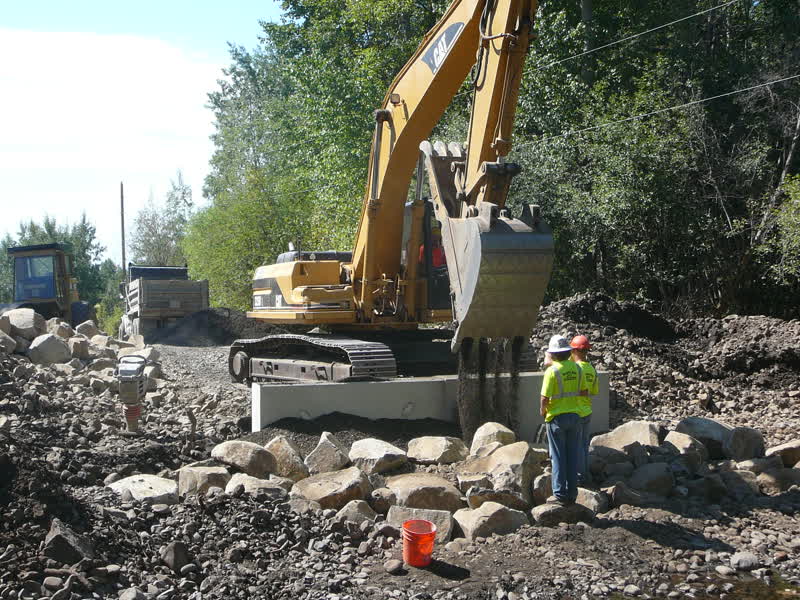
{"x": 407, "y": 398}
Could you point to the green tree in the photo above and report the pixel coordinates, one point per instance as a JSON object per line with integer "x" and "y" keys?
{"x": 6, "y": 270}
{"x": 158, "y": 228}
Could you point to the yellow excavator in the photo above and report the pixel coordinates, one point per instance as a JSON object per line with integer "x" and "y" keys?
{"x": 452, "y": 254}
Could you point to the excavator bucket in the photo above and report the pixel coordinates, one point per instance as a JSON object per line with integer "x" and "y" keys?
{"x": 499, "y": 266}
{"x": 499, "y": 270}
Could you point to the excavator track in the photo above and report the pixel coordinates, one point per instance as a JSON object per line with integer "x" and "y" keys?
{"x": 296, "y": 357}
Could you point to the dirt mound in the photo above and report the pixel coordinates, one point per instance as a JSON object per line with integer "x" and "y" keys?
{"x": 212, "y": 327}
{"x": 600, "y": 310}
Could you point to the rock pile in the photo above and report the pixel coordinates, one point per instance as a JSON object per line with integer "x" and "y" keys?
{"x": 741, "y": 369}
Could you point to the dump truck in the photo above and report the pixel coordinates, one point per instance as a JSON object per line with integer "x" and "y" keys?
{"x": 453, "y": 253}
{"x": 156, "y": 297}
{"x": 44, "y": 280}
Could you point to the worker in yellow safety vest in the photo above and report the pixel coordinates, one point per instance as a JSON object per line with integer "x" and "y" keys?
{"x": 580, "y": 349}
{"x": 560, "y": 406}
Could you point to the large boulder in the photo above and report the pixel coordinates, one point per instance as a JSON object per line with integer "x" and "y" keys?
{"x": 7, "y": 343}
{"x": 65, "y": 546}
{"x": 5, "y": 324}
{"x": 148, "y": 353}
{"x": 88, "y": 328}
{"x": 789, "y": 452}
{"x": 741, "y": 485}
{"x": 542, "y": 488}
{"x": 620, "y": 494}
{"x": 597, "y": 502}
{"x": 197, "y": 480}
{"x": 489, "y": 518}
{"x": 443, "y": 520}
{"x": 288, "y": 458}
{"x": 245, "y": 456}
{"x": 550, "y": 515}
{"x": 158, "y": 490}
{"x": 760, "y": 465}
{"x": 58, "y": 327}
{"x": 694, "y": 453}
{"x": 436, "y": 450}
{"x": 743, "y": 443}
{"x": 712, "y": 434}
{"x": 711, "y": 488}
{"x": 356, "y": 511}
{"x": 510, "y": 468}
{"x": 329, "y": 455}
{"x": 79, "y": 347}
{"x": 489, "y": 433}
{"x": 644, "y": 432}
{"x": 424, "y": 490}
{"x": 778, "y": 481}
{"x": 26, "y": 323}
{"x": 334, "y": 489}
{"x": 256, "y": 486}
{"x": 653, "y": 478}
{"x": 372, "y": 455}
{"x": 48, "y": 349}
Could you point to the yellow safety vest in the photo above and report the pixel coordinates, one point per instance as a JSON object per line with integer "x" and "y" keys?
{"x": 566, "y": 398}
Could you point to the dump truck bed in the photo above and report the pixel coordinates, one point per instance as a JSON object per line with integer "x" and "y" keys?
{"x": 166, "y": 298}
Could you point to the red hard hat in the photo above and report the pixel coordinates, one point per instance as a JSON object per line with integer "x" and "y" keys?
{"x": 580, "y": 342}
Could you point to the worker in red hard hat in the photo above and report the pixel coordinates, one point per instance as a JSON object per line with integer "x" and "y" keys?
{"x": 589, "y": 388}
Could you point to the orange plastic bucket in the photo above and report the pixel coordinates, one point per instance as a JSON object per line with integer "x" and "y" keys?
{"x": 418, "y": 538}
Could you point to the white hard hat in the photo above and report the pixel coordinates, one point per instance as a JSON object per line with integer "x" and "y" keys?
{"x": 558, "y": 343}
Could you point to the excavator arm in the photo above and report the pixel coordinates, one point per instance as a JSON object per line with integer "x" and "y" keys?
{"x": 498, "y": 266}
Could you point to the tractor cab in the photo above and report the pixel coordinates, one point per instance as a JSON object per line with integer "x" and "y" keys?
{"x": 44, "y": 281}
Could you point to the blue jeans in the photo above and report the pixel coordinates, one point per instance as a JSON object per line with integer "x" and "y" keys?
{"x": 564, "y": 436}
{"x": 584, "y": 476}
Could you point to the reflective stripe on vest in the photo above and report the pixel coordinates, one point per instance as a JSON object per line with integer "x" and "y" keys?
{"x": 560, "y": 382}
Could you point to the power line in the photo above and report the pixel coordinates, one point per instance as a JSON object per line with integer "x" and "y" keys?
{"x": 656, "y": 112}
{"x": 632, "y": 37}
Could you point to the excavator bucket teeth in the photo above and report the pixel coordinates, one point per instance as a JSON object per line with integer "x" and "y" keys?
{"x": 498, "y": 275}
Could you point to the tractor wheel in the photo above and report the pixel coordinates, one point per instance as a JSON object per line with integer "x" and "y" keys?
{"x": 80, "y": 313}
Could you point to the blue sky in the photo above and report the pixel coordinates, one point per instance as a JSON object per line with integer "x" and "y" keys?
{"x": 94, "y": 93}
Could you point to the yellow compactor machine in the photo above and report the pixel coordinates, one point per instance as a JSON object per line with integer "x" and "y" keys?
{"x": 368, "y": 304}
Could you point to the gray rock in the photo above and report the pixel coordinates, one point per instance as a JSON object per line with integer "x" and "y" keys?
{"x": 436, "y": 450}
{"x": 7, "y": 343}
{"x": 693, "y": 451}
{"x": 5, "y": 324}
{"x": 288, "y": 459}
{"x": 88, "y": 329}
{"x": 550, "y": 515}
{"x": 741, "y": 485}
{"x": 65, "y": 546}
{"x": 745, "y": 561}
{"x": 620, "y": 494}
{"x": 372, "y": 455}
{"x": 132, "y": 594}
{"x": 197, "y": 480}
{"x": 48, "y": 349}
{"x": 424, "y": 490}
{"x": 779, "y": 480}
{"x": 712, "y": 434}
{"x": 469, "y": 480}
{"x": 789, "y": 452}
{"x": 26, "y": 323}
{"x": 744, "y": 443}
{"x": 334, "y": 489}
{"x": 489, "y": 433}
{"x": 329, "y": 455}
{"x": 245, "y": 456}
{"x": 176, "y": 556}
{"x": 441, "y": 518}
{"x": 255, "y": 485}
{"x": 355, "y": 511}
{"x": 393, "y": 566}
{"x": 644, "y": 432}
{"x": 382, "y": 499}
{"x": 597, "y": 502}
{"x": 760, "y": 465}
{"x": 488, "y": 519}
{"x": 158, "y": 490}
{"x": 653, "y": 478}
{"x": 477, "y": 496}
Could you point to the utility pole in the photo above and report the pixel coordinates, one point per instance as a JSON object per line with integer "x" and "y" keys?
{"x": 122, "y": 220}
